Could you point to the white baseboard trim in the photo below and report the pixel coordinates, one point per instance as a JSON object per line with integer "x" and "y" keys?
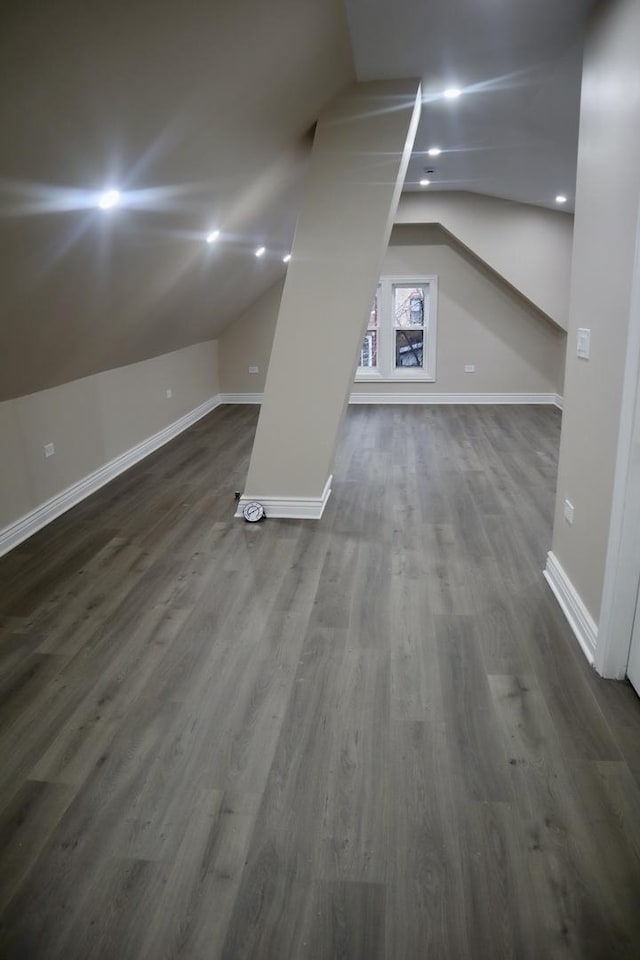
{"x": 553, "y": 399}
{"x": 290, "y": 508}
{"x": 444, "y": 398}
{"x": 579, "y": 618}
{"x": 241, "y": 397}
{"x": 558, "y": 401}
{"x": 33, "y": 521}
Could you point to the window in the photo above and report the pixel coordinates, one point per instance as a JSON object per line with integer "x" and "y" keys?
{"x": 369, "y": 352}
{"x": 400, "y": 340}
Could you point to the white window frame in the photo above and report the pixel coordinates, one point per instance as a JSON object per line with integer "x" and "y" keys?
{"x": 386, "y": 371}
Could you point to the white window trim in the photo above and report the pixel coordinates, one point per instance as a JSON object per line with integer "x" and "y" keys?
{"x": 386, "y": 372}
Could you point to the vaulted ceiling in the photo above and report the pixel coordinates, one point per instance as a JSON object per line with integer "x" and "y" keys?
{"x": 513, "y": 131}
{"x": 201, "y": 114}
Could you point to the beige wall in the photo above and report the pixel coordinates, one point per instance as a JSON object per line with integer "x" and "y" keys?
{"x": 93, "y": 420}
{"x": 529, "y": 247}
{"x": 247, "y": 343}
{"x": 480, "y": 320}
{"x": 606, "y": 220}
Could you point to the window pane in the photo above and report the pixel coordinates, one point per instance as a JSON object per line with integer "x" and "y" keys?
{"x": 373, "y": 316}
{"x": 369, "y": 351}
{"x": 408, "y": 306}
{"x": 409, "y": 348}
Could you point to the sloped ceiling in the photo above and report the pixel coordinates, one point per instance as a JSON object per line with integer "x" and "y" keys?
{"x": 200, "y": 113}
{"x": 513, "y": 133}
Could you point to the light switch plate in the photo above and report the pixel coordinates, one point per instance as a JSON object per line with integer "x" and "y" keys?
{"x": 469, "y": 368}
{"x": 584, "y": 343}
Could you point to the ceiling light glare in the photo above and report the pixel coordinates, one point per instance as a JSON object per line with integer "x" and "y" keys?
{"x": 561, "y": 198}
{"x": 213, "y": 236}
{"x": 286, "y": 258}
{"x": 109, "y": 199}
{"x": 425, "y": 183}
{"x": 260, "y": 252}
{"x": 434, "y": 151}
{"x": 451, "y": 93}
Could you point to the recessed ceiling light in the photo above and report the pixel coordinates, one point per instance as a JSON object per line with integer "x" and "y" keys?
{"x": 109, "y": 199}
{"x": 434, "y": 151}
{"x": 286, "y": 258}
{"x": 213, "y": 236}
{"x": 260, "y": 252}
{"x": 561, "y": 198}
{"x": 451, "y": 93}
{"x": 425, "y": 183}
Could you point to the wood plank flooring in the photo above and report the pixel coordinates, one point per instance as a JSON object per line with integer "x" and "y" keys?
{"x": 373, "y": 737}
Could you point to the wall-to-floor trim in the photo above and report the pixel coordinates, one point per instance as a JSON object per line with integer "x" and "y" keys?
{"x": 579, "y": 618}
{"x": 558, "y": 401}
{"x": 290, "y": 508}
{"x": 422, "y": 398}
{"x": 443, "y": 398}
{"x": 33, "y": 521}
{"x": 241, "y": 397}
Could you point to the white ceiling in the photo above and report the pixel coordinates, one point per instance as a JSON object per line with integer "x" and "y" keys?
{"x": 514, "y": 131}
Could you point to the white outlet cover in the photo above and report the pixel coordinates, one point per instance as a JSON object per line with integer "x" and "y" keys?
{"x": 169, "y": 394}
{"x": 49, "y": 449}
{"x": 469, "y": 368}
{"x": 253, "y": 369}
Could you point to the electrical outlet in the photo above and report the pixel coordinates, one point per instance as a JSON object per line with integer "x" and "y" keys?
{"x": 568, "y": 512}
{"x": 169, "y": 394}
{"x": 469, "y": 368}
{"x": 49, "y": 449}
{"x": 253, "y": 369}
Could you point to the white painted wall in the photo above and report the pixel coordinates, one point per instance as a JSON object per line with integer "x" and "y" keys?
{"x": 247, "y": 343}
{"x": 606, "y": 223}
{"x": 480, "y": 320}
{"x": 529, "y": 247}
{"x": 514, "y": 348}
{"x": 92, "y": 420}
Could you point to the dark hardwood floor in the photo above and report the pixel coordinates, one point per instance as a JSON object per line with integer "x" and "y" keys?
{"x": 373, "y": 737}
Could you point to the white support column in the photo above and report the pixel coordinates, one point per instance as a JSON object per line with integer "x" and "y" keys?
{"x": 360, "y": 153}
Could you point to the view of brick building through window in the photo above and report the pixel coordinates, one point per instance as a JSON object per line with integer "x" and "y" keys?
{"x": 408, "y": 304}
{"x": 369, "y": 352}
{"x": 397, "y": 328}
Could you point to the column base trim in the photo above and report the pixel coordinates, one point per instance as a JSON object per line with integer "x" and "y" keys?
{"x": 290, "y": 508}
